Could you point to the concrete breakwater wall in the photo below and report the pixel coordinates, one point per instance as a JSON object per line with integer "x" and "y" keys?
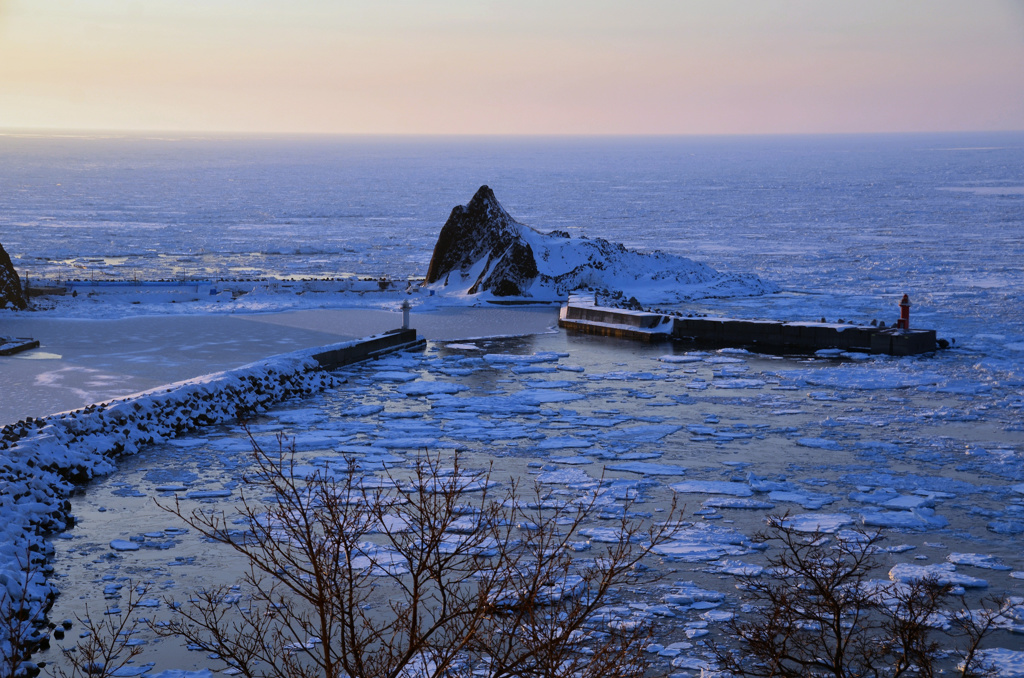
{"x": 765, "y": 335}
{"x": 41, "y": 460}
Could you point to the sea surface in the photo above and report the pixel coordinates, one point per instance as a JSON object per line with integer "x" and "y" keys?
{"x": 844, "y": 224}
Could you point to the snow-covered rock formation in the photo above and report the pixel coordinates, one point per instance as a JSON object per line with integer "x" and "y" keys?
{"x": 11, "y": 294}
{"x": 481, "y": 250}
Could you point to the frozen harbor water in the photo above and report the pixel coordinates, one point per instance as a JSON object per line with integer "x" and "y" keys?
{"x": 936, "y": 469}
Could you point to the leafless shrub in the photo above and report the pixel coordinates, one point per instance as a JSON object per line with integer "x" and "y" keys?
{"x": 107, "y": 645}
{"x": 818, "y": 612}
{"x": 426, "y": 575}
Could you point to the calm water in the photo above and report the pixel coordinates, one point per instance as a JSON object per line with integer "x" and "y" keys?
{"x": 845, "y": 224}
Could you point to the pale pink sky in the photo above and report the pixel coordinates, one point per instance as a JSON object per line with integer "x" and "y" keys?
{"x": 512, "y": 66}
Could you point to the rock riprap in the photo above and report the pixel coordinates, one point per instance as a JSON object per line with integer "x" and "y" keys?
{"x": 483, "y": 251}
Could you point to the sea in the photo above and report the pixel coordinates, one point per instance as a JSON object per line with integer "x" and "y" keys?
{"x": 930, "y": 449}
{"x": 845, "y": 225}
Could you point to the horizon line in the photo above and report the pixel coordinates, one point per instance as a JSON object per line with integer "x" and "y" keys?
{"x": 171, "y": 134}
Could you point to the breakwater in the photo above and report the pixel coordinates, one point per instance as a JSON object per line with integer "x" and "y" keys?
{"x": 763, "y": 335}
{"x": 43, "y": 459}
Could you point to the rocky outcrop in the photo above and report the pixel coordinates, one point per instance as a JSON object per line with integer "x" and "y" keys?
{"x": 481, "y": 250}
{"x": 11, "y": 293}
{"x": 480, "y": 240}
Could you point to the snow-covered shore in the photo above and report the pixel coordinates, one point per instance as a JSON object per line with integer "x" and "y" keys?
{"x": 44, "y": 458}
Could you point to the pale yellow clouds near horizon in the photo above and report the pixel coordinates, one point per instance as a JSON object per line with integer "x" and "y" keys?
{"x": 528, "y": 67}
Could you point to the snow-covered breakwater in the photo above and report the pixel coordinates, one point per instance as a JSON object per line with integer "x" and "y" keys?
{"x": 42, "y": 459}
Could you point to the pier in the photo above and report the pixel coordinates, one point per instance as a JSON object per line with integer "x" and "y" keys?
{"x": 757, "y": 335}
{"x": 12, "y": 345}
{"x": 368, "y": 348}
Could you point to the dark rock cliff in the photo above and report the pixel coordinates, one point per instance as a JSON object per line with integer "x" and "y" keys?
{"x": 482, "y": 232}
{"x": 11, "y": 293}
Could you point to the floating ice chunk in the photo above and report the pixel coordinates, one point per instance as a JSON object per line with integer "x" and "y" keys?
{"x": 738, "y": 568}
{"x": 566, "y": 476}
{"x": 533, "y": 369}
{"x": 124, "y": 545}
{"x": 564, "y": 442}
{"x": 539, "y": 396}
{"x": 737, "y": 503}
{"x": 722, "y": 360}
{"x": 463, "y": 347}
{"x": 181, "y": 673}
{"x": 426, "y": 388}
{"x": 171, "y": 487}
{"x": 863, "y": 377}
{"x": 209, "y": 494}
{"x": 713, "y": 487}
{"x": 761, "y": 484}
{"x": 409, "y": 443}
{"x": 984, "y": 561}
{"x": 739, "y": 383}
{"x": 905, "y": 502}
{"x": 681, "y": 358}
{"x": 646, "y": 433}
{"x": 855, "y": 355}
{"x": 361, "y": 411}
{"x": 703, "y": 541}
{"x": 1018, "y": 488}
{"x": 917, "y": 519}
{"x": 817, "y": 522}
{"x": 395, "y": 377}
{"x": 941, "y": 573}
{"x": 819, "y": 443}
{"x": 878, "y": 496}
{"x": 809, "y": 500}
{"x": 605, "y": 535}
{"x": 1007, "y": 663}
{"x": 549, "y": 383}
{"x": 688, "y": 593}
{"x": 829, "y": 352}
{"x": 511, "y": 359}
{"x": 572, "y": 461}
{"x": 1006, "y": 526}
{"x": 647, "y": 468}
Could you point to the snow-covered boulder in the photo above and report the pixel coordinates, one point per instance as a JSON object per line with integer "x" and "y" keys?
{"x": 11, "y": 293}
{"x": 481, "y": 250}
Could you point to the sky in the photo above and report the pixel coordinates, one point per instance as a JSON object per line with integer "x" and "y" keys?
{"x": 512, "y": 66}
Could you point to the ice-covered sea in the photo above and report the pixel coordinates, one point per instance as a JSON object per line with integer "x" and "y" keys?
{"x": 929, "y": 449}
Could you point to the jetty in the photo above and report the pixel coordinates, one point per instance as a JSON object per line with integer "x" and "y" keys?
{"x": 12, "y": 345}
{"x": 367, "y": 348}
{"x": 767, "y": 336}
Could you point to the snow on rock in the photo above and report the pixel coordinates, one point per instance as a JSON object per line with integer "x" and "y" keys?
{"x": 483, "y": 250}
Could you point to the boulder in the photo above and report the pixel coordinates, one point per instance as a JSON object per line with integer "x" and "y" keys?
{"x": 483, "y": 251}
{"x": 12, "y": 295}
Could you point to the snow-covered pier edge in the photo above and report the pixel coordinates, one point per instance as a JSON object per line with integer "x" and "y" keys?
{"x": 768, "y": 335}
{"x": 43, "y": 459}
